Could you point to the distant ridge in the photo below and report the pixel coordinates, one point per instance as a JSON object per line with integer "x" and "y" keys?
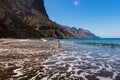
{"x": 79, "y": 33}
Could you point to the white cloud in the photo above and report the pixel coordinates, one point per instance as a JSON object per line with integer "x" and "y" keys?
{"x": 76, "y": 2}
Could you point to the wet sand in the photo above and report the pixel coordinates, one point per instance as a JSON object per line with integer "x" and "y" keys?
{"x": 80, "y": 62}
{"x": 37, "y": 60}
{"x": 21, "y": 59}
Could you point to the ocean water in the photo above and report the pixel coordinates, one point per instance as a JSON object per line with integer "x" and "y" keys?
{"x": 84, "y": 59}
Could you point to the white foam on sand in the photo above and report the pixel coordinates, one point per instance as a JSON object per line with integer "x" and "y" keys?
{"x": 45, "y": 78}
{"x": 103, "y": 78}
{"x": 114, "y": 74}
{"x": 70, "y": 68}
{"x": 93, "y": 64}
{"x": 102, "y": 66}
{"x": 111, "y": 60}
{"x": 83, "y": 74}
{"x": 76, "y": 61}
{"x": 44, "y": 40}
{"x": 104, "y": 54}
{"x": 109, "y": 68}
{"x": 88, "y": 56}
{"x": 55, "y": 75}
{"x": 18, "y": 72}
{"x": 22, "y": 40}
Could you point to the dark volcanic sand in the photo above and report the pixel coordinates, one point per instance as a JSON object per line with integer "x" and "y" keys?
{"x": 37, "y": 60}
{"x": 21, "y": 59}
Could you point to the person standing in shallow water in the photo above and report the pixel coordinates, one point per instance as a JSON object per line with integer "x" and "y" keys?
{"x": 58, "y": 47}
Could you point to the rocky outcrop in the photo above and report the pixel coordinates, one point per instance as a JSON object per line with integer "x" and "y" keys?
{"x": 79, "y": 33}
{"x": 27, "y": 19}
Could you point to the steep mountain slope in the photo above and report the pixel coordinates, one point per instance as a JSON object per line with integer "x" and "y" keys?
{"x": 79, "y": 33}
{"x": 27, "y": 19}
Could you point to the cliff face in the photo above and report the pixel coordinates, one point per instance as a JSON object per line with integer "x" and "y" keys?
{"x": 27, "y": 19}
{"x": 80, "y": 33}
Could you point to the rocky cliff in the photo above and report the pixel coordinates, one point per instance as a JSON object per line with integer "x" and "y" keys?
{"x": 79, "y": 33}
{"x": 27, "y": 19}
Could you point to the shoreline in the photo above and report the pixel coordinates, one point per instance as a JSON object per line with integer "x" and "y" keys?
{"x": 18, "y": 57}
{"x": 27, "y": 59}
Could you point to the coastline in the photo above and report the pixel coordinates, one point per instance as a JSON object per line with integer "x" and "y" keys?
{"x": 22, "y": 58}
{"x": 35, "y": 59}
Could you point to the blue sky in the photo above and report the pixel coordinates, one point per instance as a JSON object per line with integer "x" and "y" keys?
{"x": 101, "y": 17}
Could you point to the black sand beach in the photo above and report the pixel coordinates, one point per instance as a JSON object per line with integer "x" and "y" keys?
{"x": 25, "y": 59}
{"x": 21, "y": 59}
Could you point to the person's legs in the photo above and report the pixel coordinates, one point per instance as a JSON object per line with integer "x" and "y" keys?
{"x": 58, "y": 50}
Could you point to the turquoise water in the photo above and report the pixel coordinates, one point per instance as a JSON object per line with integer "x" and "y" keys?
{"x": 110, "y": 42}
{"x": 109, "y": 46}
